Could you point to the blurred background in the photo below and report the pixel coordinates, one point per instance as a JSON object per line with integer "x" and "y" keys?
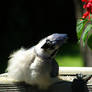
{"x": 23, "y": 23}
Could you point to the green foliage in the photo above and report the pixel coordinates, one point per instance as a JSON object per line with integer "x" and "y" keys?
{"x": 84, "y": 26}
{"x": 80, "y": 27}
{"x": 85, "y": 34}
{"x": 89, "y": 42}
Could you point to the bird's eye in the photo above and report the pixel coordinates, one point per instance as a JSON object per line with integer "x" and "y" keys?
{"x": 50, "y": 44}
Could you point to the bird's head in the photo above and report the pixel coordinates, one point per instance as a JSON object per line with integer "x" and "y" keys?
{"x": 48, "y": 46}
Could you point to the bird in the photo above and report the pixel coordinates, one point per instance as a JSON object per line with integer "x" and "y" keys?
{"x": 37, "y": 65}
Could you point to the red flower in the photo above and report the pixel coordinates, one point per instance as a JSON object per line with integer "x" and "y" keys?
{"x": 84, "y": 0}
{"x": 85, "y": 14}
{"x": 88, "y": 7}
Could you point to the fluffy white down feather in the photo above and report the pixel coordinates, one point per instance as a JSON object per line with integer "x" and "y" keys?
{"x": 18, "y": 64}
{"x": 25, "y": 67}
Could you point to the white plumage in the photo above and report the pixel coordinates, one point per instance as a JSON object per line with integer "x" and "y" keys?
{"x": 35, "y": 66}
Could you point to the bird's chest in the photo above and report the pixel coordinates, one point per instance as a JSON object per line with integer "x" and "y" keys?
{"x": 41, "y": 65}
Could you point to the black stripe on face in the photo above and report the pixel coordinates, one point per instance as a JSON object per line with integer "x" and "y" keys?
{"x": 48, "y": 45}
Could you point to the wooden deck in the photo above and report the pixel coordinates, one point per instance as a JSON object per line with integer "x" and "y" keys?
{"x": 65, "y": 73}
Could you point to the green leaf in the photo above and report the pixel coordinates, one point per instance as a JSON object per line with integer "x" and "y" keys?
{"x": 85, "y": 34}
{"x": 89, "y": 41}
{"x": 80, "y": 30}
{"x": 80, "y": 27}
{"x": 81, "y": 20}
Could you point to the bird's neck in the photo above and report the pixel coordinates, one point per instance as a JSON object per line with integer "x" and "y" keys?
{"x": 41, "y": 53}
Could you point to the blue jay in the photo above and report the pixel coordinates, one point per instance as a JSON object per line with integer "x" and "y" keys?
{"x": 36, "y": 65}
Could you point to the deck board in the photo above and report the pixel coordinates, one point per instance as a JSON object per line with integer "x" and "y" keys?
{"x": 65, "y": 86}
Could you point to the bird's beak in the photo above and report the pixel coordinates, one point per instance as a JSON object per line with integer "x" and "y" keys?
{"x": 59, "y": 39}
